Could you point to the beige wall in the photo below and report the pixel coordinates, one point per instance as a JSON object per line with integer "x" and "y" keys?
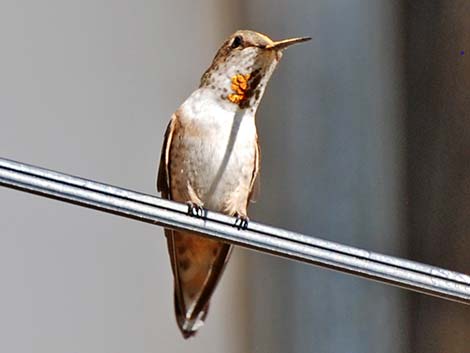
{"x": 87, "y": 87}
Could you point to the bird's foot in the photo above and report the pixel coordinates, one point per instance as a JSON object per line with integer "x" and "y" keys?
{"x": 241, "y": 222}
{"x": 196, "y": 210}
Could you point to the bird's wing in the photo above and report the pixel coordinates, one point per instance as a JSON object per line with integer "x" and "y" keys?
{"x": 255, "y": 180}
{"x": 202, "y": 278}
{"x": 163, "y": 176}
{"x": 164, "y": 187}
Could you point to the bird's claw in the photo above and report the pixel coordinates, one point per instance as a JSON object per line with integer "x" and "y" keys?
{"x": 241, "y": 222}
{"x": 195, "y": 210}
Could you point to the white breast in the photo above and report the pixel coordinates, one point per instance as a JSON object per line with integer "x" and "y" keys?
{"x": 217, "y": 143}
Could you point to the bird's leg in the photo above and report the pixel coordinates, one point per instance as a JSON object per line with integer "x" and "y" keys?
{"x": 196, "y": 210}
{"x": 241, "y": 221}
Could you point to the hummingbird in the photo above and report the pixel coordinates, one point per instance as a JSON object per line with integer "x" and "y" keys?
{"x": 210, "y": 160}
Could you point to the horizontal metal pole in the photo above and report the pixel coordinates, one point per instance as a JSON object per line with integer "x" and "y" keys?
{"x": 386, "y": 269}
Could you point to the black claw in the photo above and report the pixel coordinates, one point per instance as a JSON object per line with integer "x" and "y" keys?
{"x": 241, "y": 223}
{"x": 196, "y": 210}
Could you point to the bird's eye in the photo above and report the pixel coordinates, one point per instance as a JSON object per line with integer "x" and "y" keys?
{"x": 237, "y": 41}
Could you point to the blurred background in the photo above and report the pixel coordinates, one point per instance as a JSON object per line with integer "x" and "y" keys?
{"x": 365, "y": 137}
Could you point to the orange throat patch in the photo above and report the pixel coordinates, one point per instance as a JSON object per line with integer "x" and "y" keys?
{"x": 239, "y": 87}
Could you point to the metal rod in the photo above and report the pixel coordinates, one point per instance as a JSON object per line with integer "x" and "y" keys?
{"x": 308, "y": 249}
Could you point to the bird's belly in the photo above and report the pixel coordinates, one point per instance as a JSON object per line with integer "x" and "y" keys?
{"x": 214, "y": 166}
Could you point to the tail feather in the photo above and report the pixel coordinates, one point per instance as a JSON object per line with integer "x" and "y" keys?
{"x": 190, "y": 326}
{"x": 197, "y": 264}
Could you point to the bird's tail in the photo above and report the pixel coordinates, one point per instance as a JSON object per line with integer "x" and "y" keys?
{"x": 197, "y": 264}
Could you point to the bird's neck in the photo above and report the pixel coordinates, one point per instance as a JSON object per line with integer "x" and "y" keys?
{"x": 242, "y": 88}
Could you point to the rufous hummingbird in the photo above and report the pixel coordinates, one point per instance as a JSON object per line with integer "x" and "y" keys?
{"x": 210, "y": 160}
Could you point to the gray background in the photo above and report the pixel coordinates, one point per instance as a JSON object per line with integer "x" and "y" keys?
{"x": 364, "y": 136}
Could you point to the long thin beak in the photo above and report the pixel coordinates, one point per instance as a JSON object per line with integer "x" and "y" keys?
{"x": 282, "y": 44}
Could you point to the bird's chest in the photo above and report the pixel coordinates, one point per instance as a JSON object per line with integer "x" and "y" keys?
{"x": 213, "y": 155}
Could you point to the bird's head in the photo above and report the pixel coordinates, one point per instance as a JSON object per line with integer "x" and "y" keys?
{"x": 243, "y": 65}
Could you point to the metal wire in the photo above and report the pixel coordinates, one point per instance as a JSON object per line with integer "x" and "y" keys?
{"x": 382, "y": 268}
